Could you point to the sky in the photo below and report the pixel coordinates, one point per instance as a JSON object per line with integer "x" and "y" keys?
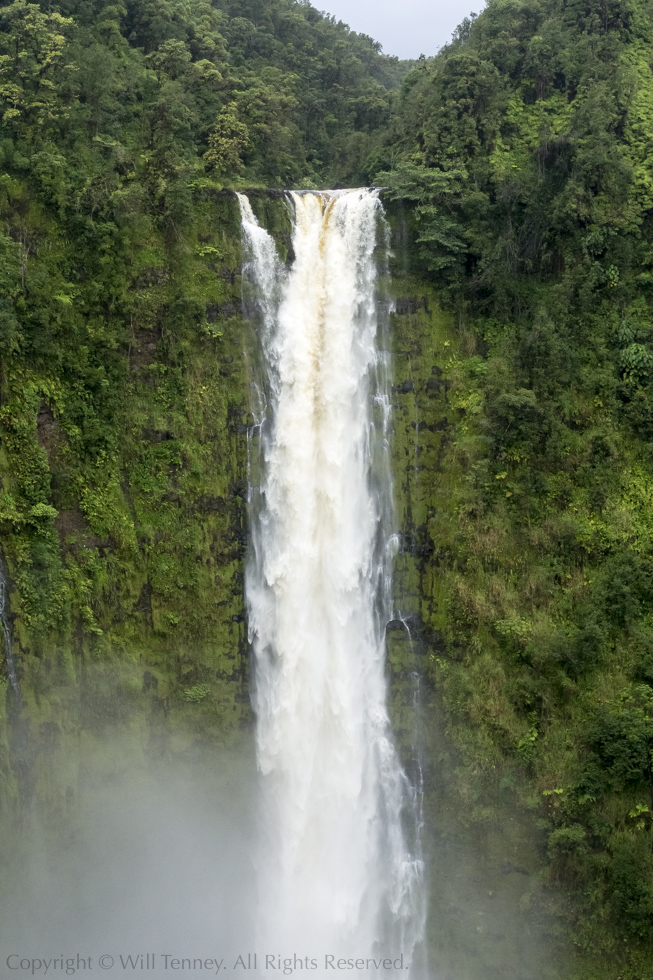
{"x": 406, "y": 28}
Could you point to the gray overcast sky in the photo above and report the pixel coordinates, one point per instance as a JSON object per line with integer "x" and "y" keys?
{"x": 406, "y": 28}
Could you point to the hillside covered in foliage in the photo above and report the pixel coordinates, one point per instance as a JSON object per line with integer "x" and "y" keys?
{"x": 518, "y": 170}
{"x": 122, "y": 386}
{"x": 525, "y": 151}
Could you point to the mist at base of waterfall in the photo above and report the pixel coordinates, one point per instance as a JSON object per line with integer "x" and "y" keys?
{"x": 152, "y": 859}
{"x": 160, "y": 858}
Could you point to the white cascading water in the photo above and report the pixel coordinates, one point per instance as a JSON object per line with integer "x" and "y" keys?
{"x": 336, "y": 876}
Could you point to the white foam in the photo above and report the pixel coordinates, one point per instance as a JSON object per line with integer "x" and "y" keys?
{"x": 335, "y": 873}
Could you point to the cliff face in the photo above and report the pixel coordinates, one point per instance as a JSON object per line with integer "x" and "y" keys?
{"x": 490, "y": 912}
{"x": 124, "y": 535}
{"x": 125, "y": 563}
{"x": 123, "y": 397}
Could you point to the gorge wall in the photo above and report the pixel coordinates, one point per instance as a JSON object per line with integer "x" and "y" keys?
{"x": 522, "y": 447}
{"x": 133, "y": 654}
{"x": 125, "y": 582}
{"x": 126, "y": 573}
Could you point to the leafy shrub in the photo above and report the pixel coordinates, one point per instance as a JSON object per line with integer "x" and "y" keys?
{"x": 621, "y": 747}
{"x": 196, "y": 694}
{"x": 631, "y": 881}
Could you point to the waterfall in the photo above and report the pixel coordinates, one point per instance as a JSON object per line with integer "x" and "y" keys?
{"x": 336, "y": 875}
{"x": 6, "y": 634}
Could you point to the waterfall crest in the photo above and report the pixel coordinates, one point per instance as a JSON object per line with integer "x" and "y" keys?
{"x": 336, "y": 874}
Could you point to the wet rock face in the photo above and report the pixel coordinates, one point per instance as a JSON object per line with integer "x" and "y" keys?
{"x": 49, "y": 433}
{"x": 142, "y": 349}
{"x": 144, "y": 603}
{"x": 404, "y": 388}
{"x": 223, "y": 311}
{"x": 395, "y": 626}
{"x": 150, "y": 682}
{"x": 405, "y": 305}
{"x": 157, "y": 435}
{"x": 47, "y": 427}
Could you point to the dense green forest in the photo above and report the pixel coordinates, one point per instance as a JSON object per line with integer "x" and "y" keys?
{"x": 122, "y": 389}
{"x": 518, "y": 171}
{"x": 525, "y": 151}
